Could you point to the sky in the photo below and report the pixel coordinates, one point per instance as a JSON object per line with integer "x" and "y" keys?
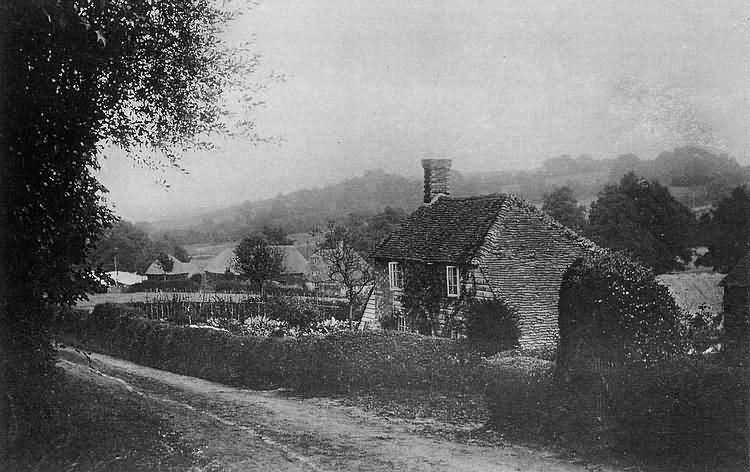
{"x": 492, "y": 84}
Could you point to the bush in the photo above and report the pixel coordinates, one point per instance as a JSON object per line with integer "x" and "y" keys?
{"x": 612, "y": 308}
{"x": 231, "y": 286}
{"x": 491, "y": 326}
{"x": 301, "y": 312}
{"x": 264, "y": 327}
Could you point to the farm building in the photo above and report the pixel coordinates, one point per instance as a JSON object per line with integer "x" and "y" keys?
{"x": 125, "y": 278}
{"x": 180, "y": 270}
{"x": 737, "y": 301}
{"x": 295, "y": 266}
{"x": 491, "y": 247}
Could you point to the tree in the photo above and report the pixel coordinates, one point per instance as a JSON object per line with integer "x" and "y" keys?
{"x": 165, "y": 262}
{"x": 257, "y": 261}
{"x": 562, "y": 206}
{"x": 133, "y": 249}
{"x": 641, "y": 217}
{"x": 345, "y": 265}
{"x": 275, "y": 235}
{"x": 727, "y": 230}
{"x": 79, "y": 75}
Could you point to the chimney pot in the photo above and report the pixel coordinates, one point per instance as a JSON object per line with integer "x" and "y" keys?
{"x": 436, "y": 173}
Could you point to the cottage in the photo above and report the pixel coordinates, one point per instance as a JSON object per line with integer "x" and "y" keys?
{"x": 180, "y": 270}
{"x": 737, "y": 303}
{"x": 485, "y": 247}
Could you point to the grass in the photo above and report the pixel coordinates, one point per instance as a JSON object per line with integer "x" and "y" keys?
{"x": 95, "y": 427}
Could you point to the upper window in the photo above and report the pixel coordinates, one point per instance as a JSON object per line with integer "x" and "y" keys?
{"x": 396, "y": 276}
{"x": 452, "y": 279}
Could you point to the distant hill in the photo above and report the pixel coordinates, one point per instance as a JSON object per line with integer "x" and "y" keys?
{"x": 697, "y": 176}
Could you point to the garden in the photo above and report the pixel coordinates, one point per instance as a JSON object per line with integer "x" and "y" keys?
{"x": 628, "y": 377}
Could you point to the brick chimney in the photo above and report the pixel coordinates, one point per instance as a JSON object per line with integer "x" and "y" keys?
{"x": 436, "y": 173}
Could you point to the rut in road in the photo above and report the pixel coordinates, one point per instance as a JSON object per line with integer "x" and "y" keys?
{"x": 244, "y": 429}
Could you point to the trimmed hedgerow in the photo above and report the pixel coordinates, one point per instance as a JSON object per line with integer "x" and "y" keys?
{"x": 340, "y": 361}
{"x": 683, "y": 406}
{"x": 612, "y": 308}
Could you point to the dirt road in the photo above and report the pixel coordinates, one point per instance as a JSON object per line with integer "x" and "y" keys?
{"x": 238, "y": 429}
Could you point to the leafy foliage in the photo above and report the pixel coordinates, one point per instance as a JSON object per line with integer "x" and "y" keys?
{"x": 133, "y": 249}
{"x": 641, "y": 217}
{"x": 165, "y": 262}
{"x": 424, "y": 297}
{"x": 562, "y": 206}
{"x": 491, "y": 326}
{"x": 257, "y": 261}
{"x": 613, "y": 308}
{"x": 77, "y": 75}
{"x": 727, "y": 230}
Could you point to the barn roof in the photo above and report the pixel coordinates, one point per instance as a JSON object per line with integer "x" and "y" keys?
{"x": 740, "y": 275}
{"x": 452, "y": 229}
{"x": 294, "y": 262}
{"x": 222, "y": 262}
{"x": 177, "y": 268}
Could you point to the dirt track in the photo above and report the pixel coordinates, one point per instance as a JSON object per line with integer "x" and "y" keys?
{"x": 237, "y": 429}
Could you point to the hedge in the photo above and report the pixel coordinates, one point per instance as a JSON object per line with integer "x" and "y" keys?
{"x": 343, "y": 361}
{"x": 690, "y": 411}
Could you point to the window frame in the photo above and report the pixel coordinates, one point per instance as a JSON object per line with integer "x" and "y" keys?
{"x": 452, "y": 270}
{"x": 395, "y": 276}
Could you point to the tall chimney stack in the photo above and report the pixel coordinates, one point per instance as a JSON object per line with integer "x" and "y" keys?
{"x": 436, "y": 173}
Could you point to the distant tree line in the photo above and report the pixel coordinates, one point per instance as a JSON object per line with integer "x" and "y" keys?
{"x": 641, "y": 217}
{"x": 132, "y": 249}
{"x": 702, "y": 176}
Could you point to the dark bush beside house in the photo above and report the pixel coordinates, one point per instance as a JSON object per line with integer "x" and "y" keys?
{"x": 491, "y": 326}
{"x": 612, "y": 309}
{"x": 623, "y": 368}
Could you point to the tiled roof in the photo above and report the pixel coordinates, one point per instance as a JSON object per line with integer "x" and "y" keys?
{"x": 453, "y": 229}
{"x": 740, "y": 275}
{"x": 447, "y": 230}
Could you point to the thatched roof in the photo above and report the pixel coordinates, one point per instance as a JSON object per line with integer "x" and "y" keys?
{"x": 293, "y": 262}
{"x": 178, "y": 267}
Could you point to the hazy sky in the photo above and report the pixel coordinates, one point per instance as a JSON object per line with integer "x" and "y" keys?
{"x": 495, "y": 84}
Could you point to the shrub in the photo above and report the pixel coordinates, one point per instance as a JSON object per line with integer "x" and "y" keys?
{"x": 611, "y": 307}
{"x": 491, "y": 326}
{"x": 264, "y": 327}
{"x": 301, "y": 312}
{"x": 330, "y": 326}
{"x": 231, "y": 286}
